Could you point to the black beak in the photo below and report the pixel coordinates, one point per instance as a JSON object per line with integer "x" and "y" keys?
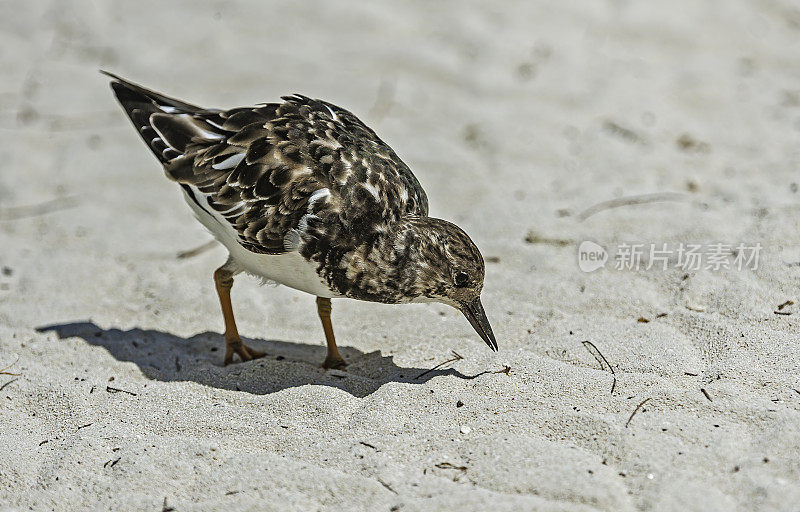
{"x": 477, "y": 317}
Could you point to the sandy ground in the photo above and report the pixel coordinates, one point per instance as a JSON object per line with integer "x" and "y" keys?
{"x": 516, "y": 118}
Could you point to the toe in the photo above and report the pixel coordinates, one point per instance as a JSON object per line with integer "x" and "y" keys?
{"x": 255, "y": 354}
{"x": 244, "y": 354}
{"x": 228, "y": 357}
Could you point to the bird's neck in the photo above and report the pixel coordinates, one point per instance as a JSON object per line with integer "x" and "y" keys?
{"x": 393, "y": 267}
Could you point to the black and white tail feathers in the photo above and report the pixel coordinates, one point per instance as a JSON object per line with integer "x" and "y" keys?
{"x": 166, "y": 125}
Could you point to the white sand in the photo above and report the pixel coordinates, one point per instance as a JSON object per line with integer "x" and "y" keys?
{"x": 513, "y": 117}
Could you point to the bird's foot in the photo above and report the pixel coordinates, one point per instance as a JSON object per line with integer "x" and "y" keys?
{"x": 334, "y": 363}
{"x": 237, "y": 346}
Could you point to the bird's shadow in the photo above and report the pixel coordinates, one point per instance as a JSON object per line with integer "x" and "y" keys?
{"x": 167, "y": 357}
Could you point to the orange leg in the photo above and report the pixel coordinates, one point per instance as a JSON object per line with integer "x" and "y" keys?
{"x": 334, "y": 359}
{"x": 223, "y": 279}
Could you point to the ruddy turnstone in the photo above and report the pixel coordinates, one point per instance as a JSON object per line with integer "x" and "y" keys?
{"x": 304, "y": 194}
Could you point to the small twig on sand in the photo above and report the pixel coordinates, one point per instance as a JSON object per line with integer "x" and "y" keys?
{"x": 461, "y": 469}
{"x": 200, "y": 249}
{"x": 635, "y": 411}
{"x": 5, "y": 372}
{"x": 706, "y": 394}
{"x": 787, "y": 303}
{"x": 34, "y": 210}
{"x": 587, "y": 344}
{"x": 387, "y": 486}
{"x": 534, "y": 238}
{"x": 165, "y": 507}
{"x": 457, "y": 357}
{"x": 368, "y": 445}
{"x": 631, "y": 201}
{"x": 7, "y": 383}
{"x": 448, "y": 465}
{"x": 109, "y": 389}
{"x": 506, "y": 369}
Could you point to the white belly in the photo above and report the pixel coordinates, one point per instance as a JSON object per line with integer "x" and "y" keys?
{"x": 289, "y": 269}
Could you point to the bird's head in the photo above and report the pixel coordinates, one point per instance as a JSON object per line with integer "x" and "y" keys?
{"x": 451, "y": 271}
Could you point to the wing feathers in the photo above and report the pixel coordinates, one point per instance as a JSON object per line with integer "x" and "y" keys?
{"x": 277, "y": 173}
{"x": 133, "y": 92}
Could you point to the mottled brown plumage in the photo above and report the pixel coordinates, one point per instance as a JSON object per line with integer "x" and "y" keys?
{"x": 305, "y": 177}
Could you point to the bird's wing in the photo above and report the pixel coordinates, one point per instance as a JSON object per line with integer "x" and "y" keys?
{"x": 273, "y": 171}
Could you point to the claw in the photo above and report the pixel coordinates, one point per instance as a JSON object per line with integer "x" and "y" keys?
{"x": 245, "y": 353}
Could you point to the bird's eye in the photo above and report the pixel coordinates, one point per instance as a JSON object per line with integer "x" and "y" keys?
{"x": 461, "y": 279}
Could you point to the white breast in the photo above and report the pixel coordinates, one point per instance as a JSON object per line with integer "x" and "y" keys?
{"x": 289, "y": 269}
